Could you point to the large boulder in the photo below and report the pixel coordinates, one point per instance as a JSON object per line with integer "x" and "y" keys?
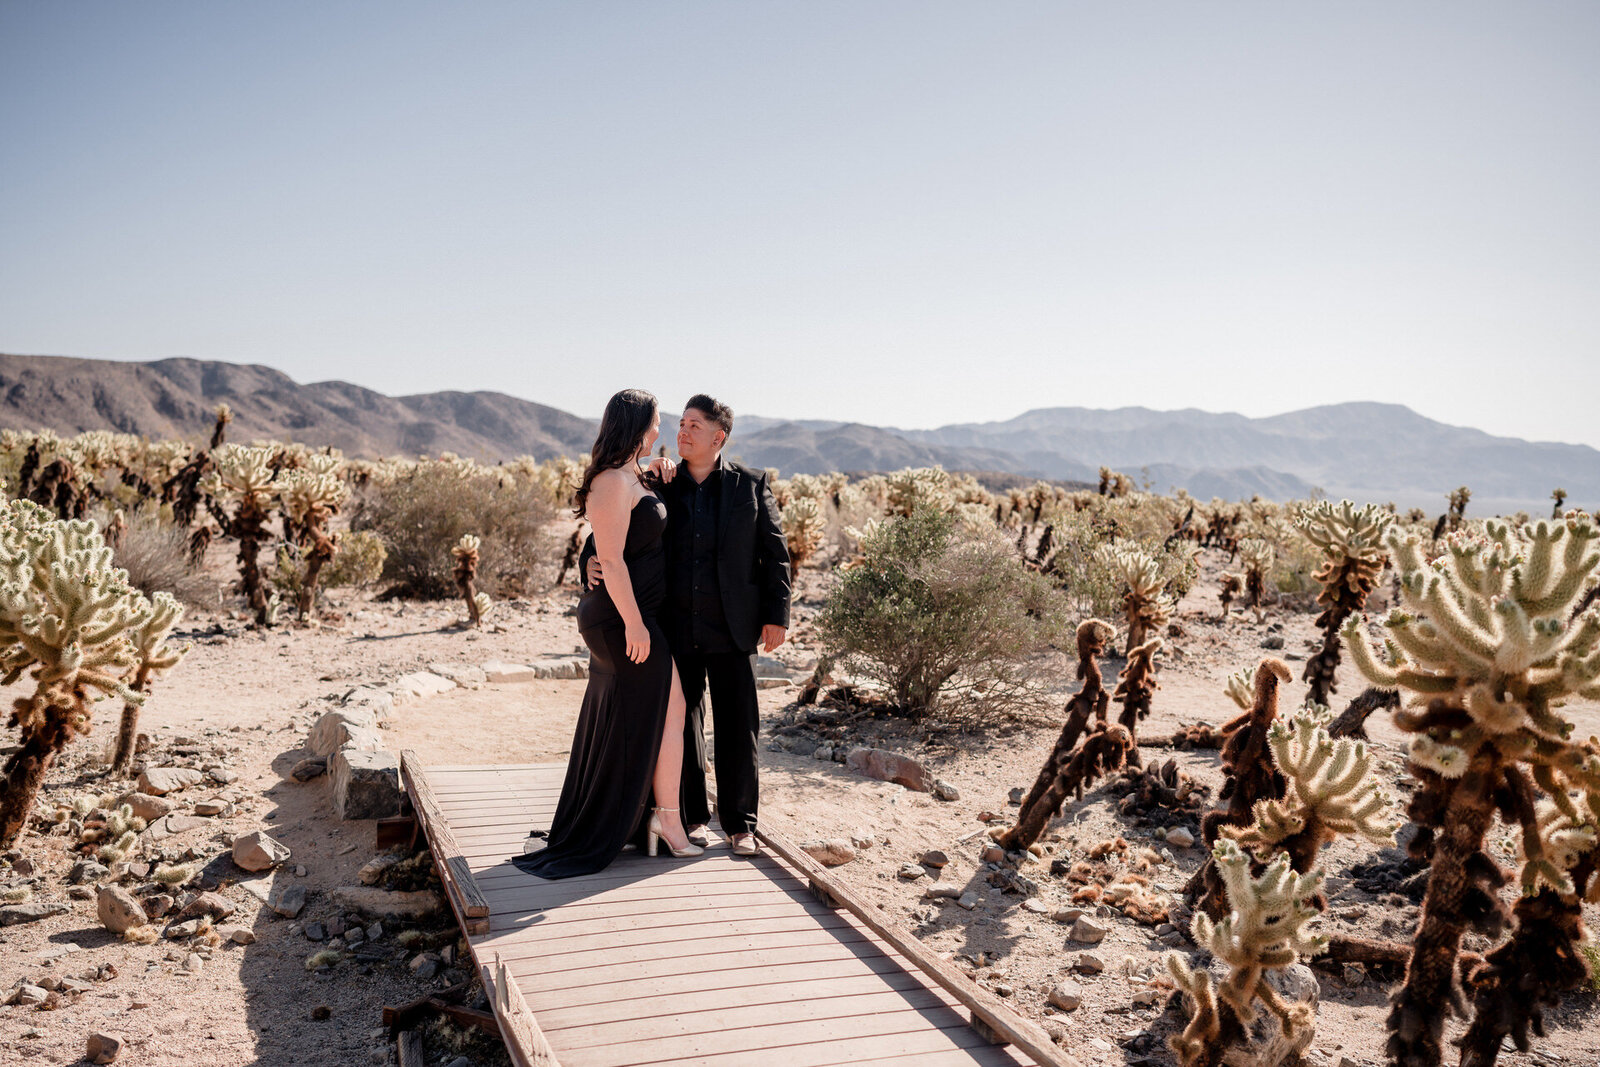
{"x": 366, "y": 785}
{"x": 118, "y": 910}
{"x": 159, "y": 781}
{"x": 256, "y": 851}
{"x": 888, "y": 766}
{"x": 386, "y": 903}
{"x": 341, "y": 728}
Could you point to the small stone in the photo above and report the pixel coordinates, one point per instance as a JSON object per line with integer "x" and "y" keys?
{"x": 943, "y": 790}
{"x": 74, "y": 986}
{"x": 315, "y": 931}
{"x": 103, "y": 1047}
{"x": 935, "y": 859}
{"x": 1067, "y": 996}
{"x": 1089, "y": 931}
{"x": 28, "y": 994}
{"x": 1272, "y": 641}
{"x": 214, "y": 806}
{"x": 81, "y": 892}
{"x": 159, "y": 904}
{"x": 1180, "y": 837}
{"x": 419, "y": 685}
{"x": 1066, "y": 915}
{"x": 322, "y": 1013}
{"x": 87, "y": 871}
{"x": 256, "y": 851}
{"x": 178, "y": 824}
{"x": 1088, "y": 963}
{"x": 289, "y": 901}
{"x": 459, "y": 1061}
{"x": 192, "y": 963}
{"x": 12, "y": 914}
{"x": 179, "y": 931}
{"x": 1354, "y": 974}
{"x": 1035, "y": 905}
{"x": 212, "y": 905}
{"x": 239, "y": 935}
{"x": 375, "y": 931}
{"x": 1015, "y": 797}
{"x": 309, "y": 768}
{"x": 497, "y": 672}
{"x": 832, "y": 852}
{"x": 299, "y": 870}
{"x": 888, "y": 766}
{"x": 942, "y": 892}
{"x": 159, "y": 781}
{"x": 911, "y": 871}
{"x": 424, "y": 964}
{"x": 1145, "y": 997}
{"x": 355, "y": 934}
{"x": 969, "y": 900}
{"x": 118, "y": 910}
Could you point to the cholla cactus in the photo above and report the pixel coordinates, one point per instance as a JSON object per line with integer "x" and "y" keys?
{"x": 1351, "y": 540}
{"x": 218, "y": 432}
{"x": 1231, "y": 586}
{"x": 1267, "y": 927}
{"x": 1560, "y": 497}
{"x": 1145, "y": 602}
{"x": 242, "y": 479}
{"x": 1114, "y": 483}
{"x": 311, "y": 494}
{"x": 1135, "y": 686}
{"x": 916, "y": 487}
{"x": 1486, "y": 648}
{"x": 466, "y": 575}
{"x": 1091, "y": 699}
{"x": 155, "y": 658}
{"x": 1333, "y": 790}
{"x": 1258, "y": 557}
{"x": 803, "y": 528}
{"x": 68, "y": 618}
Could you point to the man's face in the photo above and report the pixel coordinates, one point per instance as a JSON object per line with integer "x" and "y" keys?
{"x": 698, "y": 437}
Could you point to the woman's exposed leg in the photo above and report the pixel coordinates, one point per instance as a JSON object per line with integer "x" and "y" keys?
{"x": 669, "y": 767}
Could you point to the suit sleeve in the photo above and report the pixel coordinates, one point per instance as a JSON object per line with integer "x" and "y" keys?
{"x": 772, "y": 558}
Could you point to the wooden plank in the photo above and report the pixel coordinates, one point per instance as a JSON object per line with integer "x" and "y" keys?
{"x": 587, "y": 936}
{"x": 708, "y": 949}
{"x": 904, "y": 1047}
{"x": 1025, "y": 1034}
{"x": 464, "y": 895}
{"x": 523, "y": 1037}
{"x": 728, "y": 983}
{"x": 534, "y": 976}
{"x": 409, "y": 1048}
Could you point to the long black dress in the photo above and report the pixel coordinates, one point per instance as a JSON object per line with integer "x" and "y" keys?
{"x": 624, "y": 711}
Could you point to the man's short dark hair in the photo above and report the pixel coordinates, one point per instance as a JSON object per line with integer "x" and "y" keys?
{"x": 715, "y": 410}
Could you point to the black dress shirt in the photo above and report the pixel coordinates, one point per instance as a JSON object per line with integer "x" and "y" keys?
{"x": 695, "y": 593}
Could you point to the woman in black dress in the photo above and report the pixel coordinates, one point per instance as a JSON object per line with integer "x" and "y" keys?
{"x": 629, "y": 737}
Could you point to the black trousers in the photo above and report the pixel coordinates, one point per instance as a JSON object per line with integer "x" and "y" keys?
{"x": 730, "y": 678}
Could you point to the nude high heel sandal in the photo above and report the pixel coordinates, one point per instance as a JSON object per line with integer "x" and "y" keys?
{"x": 652, "y": 837}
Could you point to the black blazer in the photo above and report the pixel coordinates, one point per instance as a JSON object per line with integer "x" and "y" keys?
{"x": 752, "y": 554}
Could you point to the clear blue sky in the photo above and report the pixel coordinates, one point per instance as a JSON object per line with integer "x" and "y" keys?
{"x": 899, "y": 213}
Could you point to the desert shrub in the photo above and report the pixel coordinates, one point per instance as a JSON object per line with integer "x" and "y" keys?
{"x": 1091, "y": 576}
{"x": 156, "y": 556}
{"x": 359, "y": 562}
{"x": 426, "y": 508}
{"x": 947, "y": 619}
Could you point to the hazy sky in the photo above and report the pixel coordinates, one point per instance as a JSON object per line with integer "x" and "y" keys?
{"x": 900, "y": 213}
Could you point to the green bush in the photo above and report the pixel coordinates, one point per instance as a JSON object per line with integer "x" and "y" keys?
{"x": 424, "y": 509}
{"x": 1093, "y": 584}
{"x": 946, "y": 618}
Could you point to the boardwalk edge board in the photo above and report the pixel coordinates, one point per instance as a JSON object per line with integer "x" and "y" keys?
{"x": 468, "y": 901}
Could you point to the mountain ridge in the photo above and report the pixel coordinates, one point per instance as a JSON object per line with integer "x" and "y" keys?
{"x": 1368, "y": 450}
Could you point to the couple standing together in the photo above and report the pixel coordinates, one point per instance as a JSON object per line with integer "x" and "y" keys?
{"x": 687, "y": 572}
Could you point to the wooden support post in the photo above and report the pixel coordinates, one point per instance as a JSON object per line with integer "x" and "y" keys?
{"x": 410, "y": 1048}
{"x": 396, "y": 830}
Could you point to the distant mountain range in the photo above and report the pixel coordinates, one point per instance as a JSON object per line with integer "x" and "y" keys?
{"x": 1367, "y": 451}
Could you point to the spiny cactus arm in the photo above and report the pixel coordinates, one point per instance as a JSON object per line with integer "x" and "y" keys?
{"x": 1241, "y": 688}
{"x": 1361, "y": 655}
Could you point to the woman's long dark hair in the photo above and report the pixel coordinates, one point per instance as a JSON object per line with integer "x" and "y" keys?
{"x": 622, "y": 429}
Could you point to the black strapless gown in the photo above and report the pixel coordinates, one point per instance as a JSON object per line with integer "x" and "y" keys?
{"x": 618, "y": 736}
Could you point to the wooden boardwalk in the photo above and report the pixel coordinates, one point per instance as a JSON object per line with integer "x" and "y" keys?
{"x": 715, "y": 960}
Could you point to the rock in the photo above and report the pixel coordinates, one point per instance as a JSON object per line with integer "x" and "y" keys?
{"x": 316, "y": 932}
{"x": 424, "y": 964}
{"x": 353, "y": 726}
{"x": 943, "y": 790}
{"x": 28, "y": 994}
{"x": 289, "y": 901}
{"x": 309, "y": 768}
{"x": 498, "y": 672}
{"x": 935, "y": 859}
{"x": 375, "y": 931}
{"x": 214, "y": 806}
{"x": 212, "y": 905}
{"x": 888, "y": 766}
{"x": 239, "y": 935}
{"x": 1180, "y": 837}
{"x": 87, "y": 871}
{"x": 1266, "y": 1042}
{"x": 159, "y": 781}
{"x": 1272, "y": 641}
{"x": 992, "y": 854}
{"x": 912, "y": 871}
{"x": 372, "y": 871}
{"x": 861, "y": 840}
{"x": 568, "y": 667}
{"x": 969, "y": 900}
{"x": 256, "y": 851}
{"x": 80, "y": 892}
{"x": 384, "y": 903}
{"x": 804, "y": 746}
{"x": 12, "y": 914}
{"x": 942, "y": 892}
{"x": 1033, "y": 904}
{"x": 103, "y": 1047}
{"x": 419, "y": 685}
{"x": 1088, "y": 963}
{"x": 1067, "y": 996}
{"x": 1014, "y": 797}
{"x": 1088, "y": 931}
{"x": 1145, "y": 997}
{"x": 366, "y": 785}
{"x": 178, "y": 824}
{"x": 462, "y": 674}
{"x": 180, "y": 931}
{"x": 192, "y": 963}
{"x": 773, "y": 683}
{"x": 221, "y": 775}
{"x": 823, "y": 752}
{"x": 74, "y": 986}
{"x": 368, "y": 698}
{"x": 832, "y": 852}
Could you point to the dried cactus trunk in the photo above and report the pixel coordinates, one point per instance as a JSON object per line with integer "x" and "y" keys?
{"x": 1090, "y": 699}
{"x": 1352, "y": 722}
{"x": 1560, "y": 497}
{"x": 1232, "y": 586}
{"x": 1249, "y": 776}
{"x": 320, "y": 554}
{"x": 182, "y": 490}
{"x": 1105, "y": 748}
{"x": 128, "y": 728}
{"x": 1351, "y": 540}
{"x": 116, "y": 529}
{"x": 466, "y": 575}
{"x": 199, "y": 545}
{"x": 219, "y": 431}
{"x": 1136, "y": 684}
{"x": 30, "y": 466}
{"x": 24, "y": 771}
{"x": 570, "y": 558}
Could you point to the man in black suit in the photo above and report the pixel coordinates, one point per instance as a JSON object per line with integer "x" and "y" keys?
{"x": 727, "y": 594}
